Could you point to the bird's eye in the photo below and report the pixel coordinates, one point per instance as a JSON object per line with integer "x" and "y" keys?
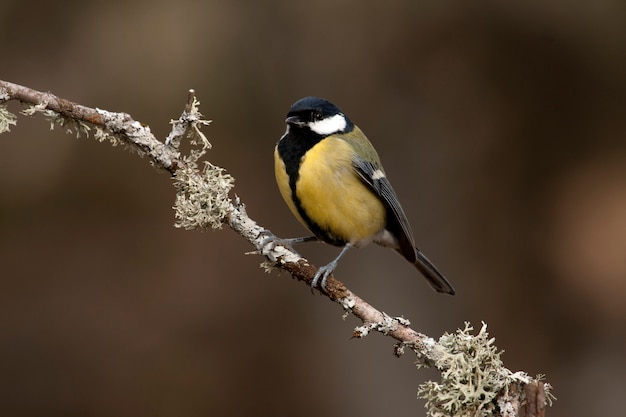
{"x": 317, "y": 115}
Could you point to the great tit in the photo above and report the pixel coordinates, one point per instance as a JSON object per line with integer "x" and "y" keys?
{"x": 332, "y": 179}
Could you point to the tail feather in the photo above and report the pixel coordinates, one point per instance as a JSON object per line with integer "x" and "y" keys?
{"x": 432, "y": 275}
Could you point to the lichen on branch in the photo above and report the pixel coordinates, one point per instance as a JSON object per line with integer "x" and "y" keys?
{"x": 7, "y": 119}
{"x": 472, "y": 376}
{"x": 474, "y": 380}
{"x": 202, "y": 199}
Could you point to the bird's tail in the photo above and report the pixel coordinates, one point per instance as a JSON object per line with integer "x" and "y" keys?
{"x": 430, "y": 272}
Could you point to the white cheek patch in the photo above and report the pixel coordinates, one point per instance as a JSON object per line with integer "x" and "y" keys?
{"x": 378, "y": 174}
{"x": 330, "y": 125}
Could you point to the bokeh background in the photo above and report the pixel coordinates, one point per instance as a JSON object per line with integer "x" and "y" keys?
{"x": 502, "y": 126}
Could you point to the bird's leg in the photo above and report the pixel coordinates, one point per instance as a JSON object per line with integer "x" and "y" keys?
{"x": 324, "y": 271}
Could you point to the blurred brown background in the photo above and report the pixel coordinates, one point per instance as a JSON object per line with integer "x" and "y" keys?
{"x": 502, "y": 127}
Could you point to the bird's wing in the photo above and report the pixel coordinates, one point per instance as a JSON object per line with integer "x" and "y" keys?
{"x": 374, "y": 177}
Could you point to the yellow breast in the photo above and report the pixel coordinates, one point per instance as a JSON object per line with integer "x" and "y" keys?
{"x": 332, "y": 195}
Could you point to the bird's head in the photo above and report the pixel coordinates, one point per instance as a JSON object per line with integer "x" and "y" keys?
{"x": 318, "y": 116}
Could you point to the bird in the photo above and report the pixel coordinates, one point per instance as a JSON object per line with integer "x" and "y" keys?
{"x": 333, "y": 181}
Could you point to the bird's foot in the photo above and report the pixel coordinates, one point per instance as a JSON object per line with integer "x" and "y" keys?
{"x": 270, "y": 238}
{"x": 274, "y": 240}
{"x": 321, "y": 276}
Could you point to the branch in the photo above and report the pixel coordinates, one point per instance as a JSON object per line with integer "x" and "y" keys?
{"x": 474, "y": 380}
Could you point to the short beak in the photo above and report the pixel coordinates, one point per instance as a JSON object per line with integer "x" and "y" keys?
{"x": 294, "y": 120}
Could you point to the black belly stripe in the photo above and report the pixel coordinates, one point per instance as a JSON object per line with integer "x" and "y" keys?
{"x": 291, "y": 149}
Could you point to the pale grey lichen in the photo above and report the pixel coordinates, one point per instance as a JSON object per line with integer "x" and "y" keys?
{"x": 7, "y": 119}
{"x": 121, "y": 129}
{"x": 385, "y": 326}
{"x": 188, "y": 126}
{"x": 347, "y": 303}
{"x": 33, "y": 109}
{"x": 275, "y": 252}
{"x": 102, "y": 135}
{"x": 267, "y": 266}
{"x": 472, "y": 375}
{"x": 202, "y": 200}
{"x": 279, "y": 254}
{"x": 71, "y": 126}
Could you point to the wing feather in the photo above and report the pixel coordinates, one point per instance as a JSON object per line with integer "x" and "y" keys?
{"x": 373, "y": 176}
